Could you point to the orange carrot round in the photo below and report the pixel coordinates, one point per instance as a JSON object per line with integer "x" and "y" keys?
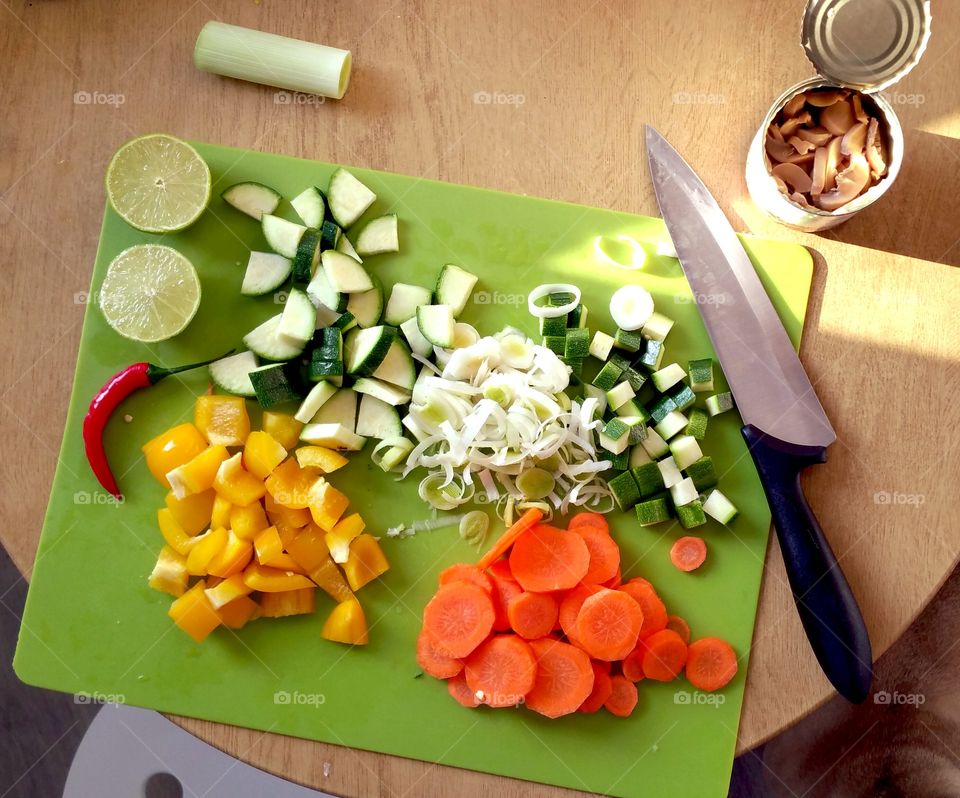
{"x": 688, "y": 553}
{"x": 570, "y": 608}
{"x": 711, "y": 663}
{"x": 604, "y": 554}
{"x": 665, "y": 656}
{"x": 504, "y": 591}
{"x": 564, "y": 678}
{"x": 501, "y": 568}
{"x": 463, "y": 572}
{"x": 601, "y": 689}
{"x": 458, "y": 618}
{"x": 654, "y": 612}
{"x": 680, "y": 626}
{"x": 623, "y": 696}
{"x": 608, "y": 624}
{"x": 589, "y": 519}
{"x": 529, "y": 519}
{"x": 501, "y": 671}
{"x": 458, "y": 688}
{"x": 632, "y": 665}
{"x": 532, "y": 615}
{"x": 614, "y": 581}
{"x": 434, "y": 660}
{"x": 544, "y": 558}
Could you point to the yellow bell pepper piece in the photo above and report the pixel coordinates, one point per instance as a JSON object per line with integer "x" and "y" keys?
{"x": 327, "y": 504}
{"x": 283, "y": 428}
{"x": 339, "y": 538}
{"x": 286, "y": 532}
{"x": 310, "y": 551}
{"x": 290, "y": 602}
{"x": 232, "y": 558}
{"x": 247, "y": 521}
{"x": 273, "y": 580}
{"x": 289, "y": 485}
{"x": 169, "y": 575}
{"x": 278, "y": 514}
{"x": 193, "y": 614}
{"x": 320, "y": 457}
{"x": 236, "y": 614}
{"x": 231, "y": 588}
{"x": 172, "y": 448}
{"x": 192, "y": 512}
{"x": 198, "y": 474}
{"x": 220, "y": 514}
{"x": 237, "y": 486}
{"x": 267, "y": 545}
{"x": 203, "y": 552}
{"x": 365, "y": 563}
{"x": 222, "y": 419}
{"x": 346, "y": 624}
{"x": 173, "y": 533}
{"x": 262, "y": 453}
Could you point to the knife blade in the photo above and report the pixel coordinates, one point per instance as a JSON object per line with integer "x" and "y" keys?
{"x": 785, "y": 426}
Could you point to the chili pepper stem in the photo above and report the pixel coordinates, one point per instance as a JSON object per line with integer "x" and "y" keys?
{"x": 157, "y": 373}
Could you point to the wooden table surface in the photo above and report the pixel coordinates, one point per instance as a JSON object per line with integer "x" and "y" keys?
{"x": 571, "y": 85}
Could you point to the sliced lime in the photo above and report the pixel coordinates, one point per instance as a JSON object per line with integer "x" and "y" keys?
{"x": 150, "y": 293}
{"x": 158, "y": 183}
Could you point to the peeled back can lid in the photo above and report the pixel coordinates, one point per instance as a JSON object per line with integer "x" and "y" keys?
{"x": 865, "y": 44}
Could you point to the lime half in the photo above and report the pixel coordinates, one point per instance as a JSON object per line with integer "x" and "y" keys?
{"x": 158, "y": 183}
{"x": 150, "y": 293}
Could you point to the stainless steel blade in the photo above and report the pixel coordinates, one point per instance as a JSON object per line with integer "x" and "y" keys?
{"x": 768, "y": 381}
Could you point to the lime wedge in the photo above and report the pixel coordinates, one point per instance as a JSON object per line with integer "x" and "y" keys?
{"x": 150, "y": 293}
{"x": 158, "y": 184}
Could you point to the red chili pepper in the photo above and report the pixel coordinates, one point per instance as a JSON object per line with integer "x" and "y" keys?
{"x": 105, "y": 401}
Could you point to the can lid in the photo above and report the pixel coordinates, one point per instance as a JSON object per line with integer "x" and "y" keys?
{"x": 865, "y": 44}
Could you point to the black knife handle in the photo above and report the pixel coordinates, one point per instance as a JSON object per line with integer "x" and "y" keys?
{"x": 826, "y": 605}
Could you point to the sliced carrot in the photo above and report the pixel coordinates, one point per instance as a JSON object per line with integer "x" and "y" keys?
{"x": 529, "y": 519}
{"x": 639, "y": 580}
{"x": 680, "y": 626}
{"x": 665, "y": 656}
{"x": 434, "y": 660}
{"x": 458, "y": 618}
{"x": 564, "y": 678}
{"x": 608, "y": 624}
{"x": 532, "y": 615}
{"x": 570, "y": 608}
{"x": 462, "y": 572}
{"x": 504, "y": 591}
{"x": 602, "y": 688}
{"x": 501, "y": 568}
{"x": 688, "y": 553}
{"x": 623, "y": 697}
{"x": 501, "y": 671}
{"x": 604, "y": 554}
{"x": 544, "y": 559}
{"x": 458, "y": 688}
{"x": 632, "y": 665}
{"x": 654, "y": 612}
{"x": 615, "y": 581}
{"x": 588, "y": 519}
{"x": 606, "y": 667}
{"x": 711, "y": 663}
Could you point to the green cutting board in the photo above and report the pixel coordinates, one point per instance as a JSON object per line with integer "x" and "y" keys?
{"x": 92, "y": 626}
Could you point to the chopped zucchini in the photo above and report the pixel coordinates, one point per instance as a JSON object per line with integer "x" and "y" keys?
{"x": 633, "y": 409}
{"x": 555, "y": 343}
{"x": 601, "y": 345}
{"x": 648, "y": 478}
{"x": 674, "y": 422}
{"x": 615, "y": 436}
{"x": 404, "y": 301}
{"x": 577, "y": 344}
{"x": 267, "y": 341}
{"x": 299, "y": 318}
{"x": 332, "y": 436}
{"x": 554, "y": 325}
{"x": 559, "y": 298}
{"x": 344, "y": 273}
{"x": 348, "y": 198}
{"x": 669, "y": 472}
{"x": 341, "y": 409}
{"x": 344, "y": 246}
{"x": 323, "y": 370}
{"x": 436, "y": 323}
{"x": 275, "y": 384}
{"x": 307, "y": 257}
{"x": 578, "y": 316}
{"x": 454, "y": 286}
{"x": 330, "y": 235}
{"x": 391, "y": 394}
{"x": 685, "y": 450}
{"x": 652, "y": 355}
{"x": 619, "y": 395}
{"x": 719, "y": 403}
{"x": 254, "y": 199}
{"x": 624, "y": 489}
{"x": 638, "y": 456}
{"x": 691, "y": 514}
{"x": 703, "y": 473}
{"x": 661, "y": 408}
{"x": 628, "y": 340}
{"x": 618, "y": 462}
{"x": 322, "y": 293}
{"x": 653, "y": 511}
{"x": 378, "y": 236}
{"x": 683, "y": 397}
{"x": 608, "y": 376}
{"x": 657, "y": 327}
{"x": 310, "y": 206}
{"x": 619, "y": 361}
{"x": 266, "y": 272}
{"x": 282, "y": 236}
{"x": 365, "y": 349}
{"x": 592, "y": 391}
{"x": 654, "y": 445}
{"x": 398, "y": 367}
{"x": 377, "y": 419}
{"x": 418, "y": 344}
{"x": 321, "y": 393}
{"x": 232, "y": 374}
{"x": 719, "y": 507}
{"x": 697, "y": 424}
{"x": 367, "y": 306}
{"x": 684, "y": 492}
{"x": 664, "y": 379}
{"x": 635, "y": 378}
{"x": 701, "y": 374}
{"x": 329, "y": 343}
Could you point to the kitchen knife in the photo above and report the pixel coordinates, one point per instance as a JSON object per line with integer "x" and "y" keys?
{"x": 785, "y": 426}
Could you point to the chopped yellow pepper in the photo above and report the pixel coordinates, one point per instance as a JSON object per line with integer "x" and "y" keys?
{"x": 290, "y": 485}
{"x": 320, "y": 457}
{"x": 207, "y": 547}
{"x": 233, "y": 587}
{"x": 346, "y": 624}
{"x": 192, "y": 512}
{"x": 232, "y": 558}
{"x": 247, "y": 521}
{"x": 327, "y": 504}
{"x": 172, "y": 448}
{"x": 310, "y": 551}
{"x": 198, "y": 474}
{"x": 286, "y": 532}
{"x": 341, "y": 536}
{"x": 290, "y": 602}
{"x": 284, "y": 428}
{"x": 222, "y": 419}
{"x": 267, "y": 545}
{"x": 365, "y": 563}
{"x": 192, "y": 613}
{"x": 169, "y": 575}
{"x": 237, "y": 486}
{"x": 236, "y": 614}
{"x": 278, "y": 513}
{"x": 262, "y": 453}
{"x": 173, "y": 533}
{"x": 273, "y": 580}
{"x": 220, "y": 514}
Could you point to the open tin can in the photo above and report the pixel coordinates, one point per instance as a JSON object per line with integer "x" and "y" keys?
{"x": 862, "y": 46}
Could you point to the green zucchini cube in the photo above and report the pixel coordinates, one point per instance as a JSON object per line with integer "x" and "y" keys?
{"x": 648, "y": 478}
{"x": 652, "y": 355}
{"x": 331, "y": 343}
{"x": 560, "y": 298}
{"x": 555, "y": 343}
{"x": 697, "y": 423}
{"x": 624, "y": 490}
{"x": 620, "y": 461}
{"x": 321, "y": 369}
{"x": 615, "y": 436}
{"x": 701, "y": 374}
{"x": 660, "y": 409}
{"x": 635, "y": 378}
{"x": 703, "y": 473}
{"x": 553, "y": 326}
{"x": 719, "y": 403}
{"x": 276, "y": 384}
{"x": 628, "y": 341}
{"x": 608, "y": 376}
{"x": 691, "y": 515}
{"x": 620, "y": 361}
{"x": 683, "y": 397}
{"x": 577, "y": 343}
{"x": 577, "y": 317}
{"x": 652, "y": 511}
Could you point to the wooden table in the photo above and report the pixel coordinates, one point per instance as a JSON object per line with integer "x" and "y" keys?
{"x": 571, "y": 85}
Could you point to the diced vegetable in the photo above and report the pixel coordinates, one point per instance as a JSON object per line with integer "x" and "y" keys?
{"x": 628, "y": 341}
{"x": 344, "y": 273}
{"x": 319, "y": 394}
{"x": 691, "y": 514}
{"x": 282, "y": 236}
{"x": 625, "y": 490}
{"x": 348, "y": 198}
{"x": 266, "y": 272}
{"x": 415, "y": 338}
{"x": 654, "y": 444}
{"x": 685, "y": 451}
{"x": 268, "y": 342}
{"x": 703, "y": 473}
{"x": 697, "y": 424}
{"x": 333, "y": 436}
{"x": 619, "y": 395}
{"x": 366, "y": 349}
{"x": 615, "y": 436}
{"x": 669, "y": 472}
{"x": 378, "y": 419}
{"x": 719, "y": 403}
{"x": 404, "y": 301}
{"x": 649, "y": 479}
{"x": 436, "y": 324}
{"x": 601, "y": 345}
{"x": 232, "y": 373}
{"x": 683, "y": 397}
{"x": 652, "y": 355}
{"x": 454, "y": 287}
{"x": 667, "y": 377}
{"x": 701, "y": 374}
{"x": 222, "y": 419}
{"x": 340, "y": 409}
{"x": 554, "y": 326}
{"x": 673, "y": 422}
{"x": 653, "y": 511}
{"x": 657, "y": 327}
{"x": 367, "y": 306}
{"x": 378, "y": 236}
{"x": 719, "y": 507}
{"x": 275, "y": 384}
{"x": 307, "y": 257}
{"x": 608, "y": 376}
{"x": 299, "y": 318}
{"x": 254, "y": 199}
{"x": 684, "y": 492}
{"x": 310, "y": 206}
